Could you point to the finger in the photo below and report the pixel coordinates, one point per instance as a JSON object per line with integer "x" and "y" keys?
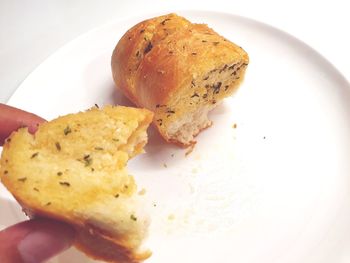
{"x": 11, "y": 119}
{"x": 34, "y": 241}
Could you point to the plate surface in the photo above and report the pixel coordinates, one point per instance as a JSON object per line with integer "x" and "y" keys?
{"x": 274, "y": 189}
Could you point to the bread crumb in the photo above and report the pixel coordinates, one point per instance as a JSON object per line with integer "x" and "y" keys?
{"x": 165, "y": 165}
{"x": 171, "y": 217}
{"x": 191, "y": 188}
{"x": 142, "y": 191}
{"x": 190, "y": 149}
{"x": 234, "y": 126}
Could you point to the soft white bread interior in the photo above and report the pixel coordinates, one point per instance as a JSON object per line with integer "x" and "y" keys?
{"x": 74, "y": 169}
{"x": 179, "y": 70}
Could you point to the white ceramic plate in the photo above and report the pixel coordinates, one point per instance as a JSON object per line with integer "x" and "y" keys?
{"x": 275, "y": 189}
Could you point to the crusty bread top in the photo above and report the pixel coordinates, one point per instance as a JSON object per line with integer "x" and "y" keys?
{"x": 174, "y": 67}
{"x": 157, "y": 56}
{"x": 73, "y": 169}
{"x": 139, "y": 43}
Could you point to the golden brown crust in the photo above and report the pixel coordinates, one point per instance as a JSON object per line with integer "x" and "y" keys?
{"x": 157, "y": 62}
{"x": 136, "y": 44}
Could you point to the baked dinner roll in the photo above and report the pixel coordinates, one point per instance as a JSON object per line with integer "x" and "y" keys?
{"x": 74, "y": 169}
{"x": 178, "y": 70}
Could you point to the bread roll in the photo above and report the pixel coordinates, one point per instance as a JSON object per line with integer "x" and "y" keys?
{"x": 73, "y": 169}
{"x": 178, "y": 70}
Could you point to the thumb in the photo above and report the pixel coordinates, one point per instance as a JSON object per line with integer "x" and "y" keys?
{"x": 34, "y": 241}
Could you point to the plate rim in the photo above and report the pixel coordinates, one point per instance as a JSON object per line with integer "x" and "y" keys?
{"x": 181, "y": 11}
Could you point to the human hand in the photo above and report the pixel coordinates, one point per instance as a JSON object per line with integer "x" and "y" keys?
{"x": 35, "y": 240}
{"x": 12, "y": 119}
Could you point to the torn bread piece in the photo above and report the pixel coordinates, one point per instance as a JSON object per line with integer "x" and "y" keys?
{"x": 179, "y": 70}
{"x": 74, "y": 169}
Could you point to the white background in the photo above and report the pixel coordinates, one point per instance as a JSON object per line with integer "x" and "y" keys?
{"x": 31, "y": 30}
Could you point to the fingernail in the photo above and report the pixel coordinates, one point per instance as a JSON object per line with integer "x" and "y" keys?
{"x": 32, "y": 128}
{"x": 39, "y": 245}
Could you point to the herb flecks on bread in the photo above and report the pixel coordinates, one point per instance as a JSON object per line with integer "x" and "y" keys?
{"x": 179, "y": 70}
{"x": 74, "y": 169}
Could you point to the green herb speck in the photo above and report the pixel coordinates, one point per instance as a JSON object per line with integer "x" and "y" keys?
{"x": 34, "y": 155}
{"x": 87, "y": 160}
{"x": 58, "y": 146}
{"x": 65, "y": 184}
{"x": 99, "y": 148}
{"x": 67, "y": 130}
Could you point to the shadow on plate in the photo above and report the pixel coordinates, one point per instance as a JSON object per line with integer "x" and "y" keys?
{"x": 156, "y": 144}
{"x": 159, "y": 152}
{"x": 120, "y": 99}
